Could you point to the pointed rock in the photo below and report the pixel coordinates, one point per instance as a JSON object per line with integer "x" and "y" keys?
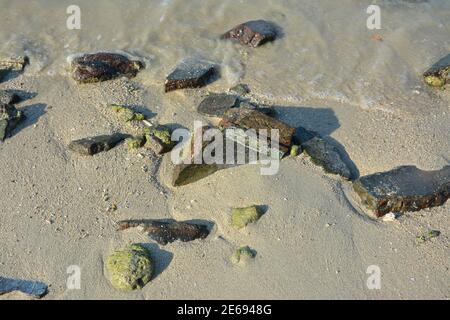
{"x": 190, "y": 73}
{"x": 253, "y": 33}
{"x": 94, "y": 145}
{"x": 167, "y": 232}
{"x": 103, "y": 66}
{"x": 403, "y": 189}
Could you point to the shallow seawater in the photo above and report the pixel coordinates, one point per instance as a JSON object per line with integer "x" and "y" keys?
{"x": 325, "y": 53}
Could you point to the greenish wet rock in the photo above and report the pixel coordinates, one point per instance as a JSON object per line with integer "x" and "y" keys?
{"x": 241, "y": 217}
{"x": 327, "y": 156}
{"x": 135, "y": 143}
{"x": 404, "y": 189}
{"x": 130, "y": 268}
{"x": 10, "y": 117}
{"x": 295, "y": 150}
{"x": 159, "y": 139}
{"x": 93, "y": 145}
{"x": 242, "y": 255}
{"x": 439, "y": 74}
{"x": 190, "y": 73}
{"x": 103, "y": 66}
{"x": 127, "y": 114}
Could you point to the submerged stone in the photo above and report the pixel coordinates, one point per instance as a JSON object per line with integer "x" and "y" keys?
{"x": 167, "y": 232}
{"x": 102, "y": 66}
{"x": 241, "y": 217}
{"x": 216, "y": 105}
{"x": 242, "y": 255}
{"x": 403, "y": 189}
{"x": 130, "y": 268}
{"x": 10, "y": 117}
{"x": 190, "y": 73}
{"x": 94, "y": 145}
{"x": 439, "y": 74}
{"x": 252, "y": 33}
{"x": 326, "y": 155}
{"x": 32, "y": 288}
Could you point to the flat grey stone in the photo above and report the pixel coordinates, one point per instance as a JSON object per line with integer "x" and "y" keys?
{"x": 94, "y": 145}
{"x": 32, "y": 288}
{"x": 216, "y": 105}
{"x": 403, "y": 189}
{"x": 190, "y": 73}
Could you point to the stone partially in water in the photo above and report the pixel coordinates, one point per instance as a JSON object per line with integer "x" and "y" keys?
{"x": 253, "y": 33}
{"x": 190, "y": 73}
{"x": 167, "y": 232}
{"x": 10, "y": 117}
{"x": 241, "y": 217}
{"x": 404, "y": 189}
{"x": 8, "y": 97}
{"x": 439, "y": 74}
{"x": 243, "y": 255}
{"x": 32, "y": 288}
{"x": 326, "y": 155}
{"x": 216, "y": 105}
{"x": 130, "y": 268}
{"x": 94, "y": 145}
{"x": 102, "y": 66}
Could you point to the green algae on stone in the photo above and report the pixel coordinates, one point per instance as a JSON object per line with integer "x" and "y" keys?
{"x": 439, "y": 74}
{"x": 135, "y": 142}
{"x": 295, "y": 150}
{"x": 159, "y": 139}
{"x": 242, "y": 255}
{"x": 127, "y": 114}
{"x": 241, "y": 217}
{"x": 130, "y": 268}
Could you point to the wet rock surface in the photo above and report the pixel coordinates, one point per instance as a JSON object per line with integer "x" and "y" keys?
{"x": 241, "y": 217}
{"x": 103, "y": 66}
{"x": 216, "y": 105}
{"x": 403, "y": 189}
{"x": 439, "y": 74}
{"x": 94, "y": 145}
{"x": 34, "y": 289}
{"x": 130, "y": 268}
{"x": 191, "y": 73}
{"x": 10, "y": 117}
{"x": 253, "y": 33}
{"x": 164, "y": 232}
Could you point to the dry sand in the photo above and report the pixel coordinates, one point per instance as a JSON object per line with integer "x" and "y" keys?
{"x": 326, "y": 74}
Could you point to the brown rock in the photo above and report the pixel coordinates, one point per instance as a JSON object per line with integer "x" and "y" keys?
{"x": 94, "y": 145}
{"x": 403, "y": 189}
{"x": 252, "y": 33}
{"x": 190, "y": 73}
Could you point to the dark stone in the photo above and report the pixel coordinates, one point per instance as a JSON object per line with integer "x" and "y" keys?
{"x": 246, "y": 118}
{"x": 404, "y": 189}
{"x": 167, "y": 232}
{"x": 324, "y": 154}
{"x": 216, "y": 105}
{"x": 439, "y": 74}
{"x": 253, "y": 33}
{"x": 3, "y": 73}
{"x": 190, "y": 73}
{"x": 102, "y": 66}
{"x": 94, "y": 145}
{"x": 31, "y": 288}
{"x": 10, "y": 117}
{"x": 8, "y": 97}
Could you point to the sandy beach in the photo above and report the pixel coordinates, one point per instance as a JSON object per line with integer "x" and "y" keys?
{"x": 360, "y": 89}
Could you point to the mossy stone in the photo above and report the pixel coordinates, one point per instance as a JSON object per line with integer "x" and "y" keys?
{"x": 130, "y": 268}
{"x": 135, "y": 142}
{"x": 241, "y": 217}
{"x": 295, "y": 150}
{"x": 126, "y": 114}
{"x": 242, "y": 255}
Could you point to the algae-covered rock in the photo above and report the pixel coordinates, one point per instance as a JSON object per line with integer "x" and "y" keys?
{"x": 253, "y": 33}
{"x": 102, "y": 66}
{"x": 439, "y": 74}
{"x": 127, "y": 114}
{"x": 190, "y": 73}
{"x": 10, "y": 117}
{"x": 130, "y": 268}
{"x": 159, "y": 139}
{"x": 94, "y": 145}
{"x": 241, "y": 217}
{"x": 135, "y": 143}
{"x": 165, "y": 232}
{"x": 295, "y": 150}
{"x": 242, "y": 255}
{"x": 403, "y": 189}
